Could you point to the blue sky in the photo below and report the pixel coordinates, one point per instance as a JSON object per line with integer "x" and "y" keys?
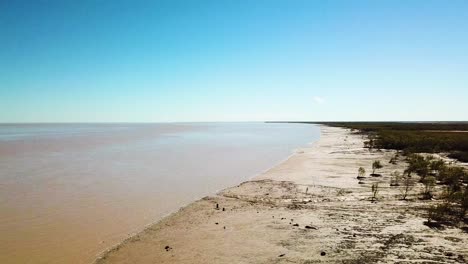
{"x": 169, "y": 61}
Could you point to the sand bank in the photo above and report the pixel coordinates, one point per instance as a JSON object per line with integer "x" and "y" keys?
{"x": 308, "y": 209}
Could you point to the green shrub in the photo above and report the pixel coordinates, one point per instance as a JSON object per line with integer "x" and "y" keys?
{"x": 408, "y": 185}
{"x": 453, "y": 177}
{"x": 441, "y": 213}
{"x": 361, "y": 172}
{"x": 429, "y": 184}
{"x": 376, "y": 165}
{"x": 418, "y": 164}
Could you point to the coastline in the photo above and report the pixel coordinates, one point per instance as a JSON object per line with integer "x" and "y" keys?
{"x": 310, "y": 208}
{"x": 169, "y": 214}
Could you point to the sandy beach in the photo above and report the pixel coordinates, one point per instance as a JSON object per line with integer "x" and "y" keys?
{"x": 308, "y": 209}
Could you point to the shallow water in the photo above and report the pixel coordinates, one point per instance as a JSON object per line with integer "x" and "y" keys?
{"x": 69, "y": 191}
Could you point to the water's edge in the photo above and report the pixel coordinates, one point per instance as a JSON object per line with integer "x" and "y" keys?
{"x": 252, "y": 178}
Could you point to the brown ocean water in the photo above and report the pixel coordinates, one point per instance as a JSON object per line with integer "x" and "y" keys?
{"x": 70, "y": 191}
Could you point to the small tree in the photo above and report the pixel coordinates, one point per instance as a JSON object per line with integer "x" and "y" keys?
{"x": 429, "y": 184}
{"x": 438, "y": 214}
{"x": 361, "y": 173}
{"x": 369, "y": 144}
{"x": 408, "y": 172}
{"x": 408, "y": 184}
{"x": 375, "y": 166}
{"x": 452, "y": 176}
{"x": 394, "y": 159}
{"x": 437, "y": 166}
{"x": 460, "y": 199}
{"x": 375, "y": 191}
{"x": 395, "y": 178}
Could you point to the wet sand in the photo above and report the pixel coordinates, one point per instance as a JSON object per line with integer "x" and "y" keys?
{"x": 308, "y": 209}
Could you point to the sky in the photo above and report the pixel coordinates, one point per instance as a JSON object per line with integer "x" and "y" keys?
{"x": 239, "y": 60}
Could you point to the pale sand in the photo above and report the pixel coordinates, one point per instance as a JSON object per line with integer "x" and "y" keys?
{"x": 258, "y": 223}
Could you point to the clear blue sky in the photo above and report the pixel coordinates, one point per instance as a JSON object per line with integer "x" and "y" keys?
{"x": 165, "y": 61}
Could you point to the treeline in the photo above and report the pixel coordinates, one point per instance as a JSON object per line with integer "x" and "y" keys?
{"x": 421, "y": 141}
{"x": 415, "y": 137}
{"x": 418, "y": 126}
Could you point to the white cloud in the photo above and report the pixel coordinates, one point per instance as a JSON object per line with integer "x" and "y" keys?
{"x": 318, "y": 100}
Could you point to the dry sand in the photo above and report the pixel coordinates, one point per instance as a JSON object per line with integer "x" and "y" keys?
{"x": 309, "y": 209}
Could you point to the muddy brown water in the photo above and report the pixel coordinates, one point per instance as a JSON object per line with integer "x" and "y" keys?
{"x": 70, "y": 191}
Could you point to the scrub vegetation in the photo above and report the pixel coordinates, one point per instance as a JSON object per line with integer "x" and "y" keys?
{"x": 450, "y": 137}
{"x": 442, "y": 181}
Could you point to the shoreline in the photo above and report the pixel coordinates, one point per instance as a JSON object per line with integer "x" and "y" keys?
{"x": 307, "y": 209}
{"x": 169, "y": 214}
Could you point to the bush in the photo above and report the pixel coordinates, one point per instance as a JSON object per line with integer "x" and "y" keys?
{"x": 375, "y": 166}
{"x": 394, "y": 159}
{"x": 361, "y": 172}
{"x": 441, "y": 213}
{"x": 453, "y": 177}
{"x": 429, "y": 184}
{"x": 460, "y": 199}
{"x": 395, "y": 178}
{"x": 436, "y": 166}
{"x": 408, "y": 185}
{"x": 418, "y": 164}
{"x": 375, "y": 191}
